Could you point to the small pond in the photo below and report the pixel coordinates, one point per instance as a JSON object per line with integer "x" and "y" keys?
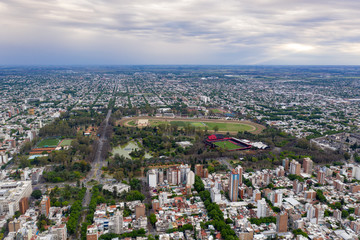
{"x": 126, "y": 149}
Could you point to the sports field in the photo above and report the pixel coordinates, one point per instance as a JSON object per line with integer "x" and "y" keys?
{"x": 48, "y": 143}
{"x": 222, "y": 127}
{"x": 66, "y": 142}
{"x": 216, "y": 110}
{"x": 227, "y": 145}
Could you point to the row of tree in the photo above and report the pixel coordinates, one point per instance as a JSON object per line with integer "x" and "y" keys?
{"x": 90, "y": 213}
{"x": 214, "y": 212}
{"x": 75, "y": 212}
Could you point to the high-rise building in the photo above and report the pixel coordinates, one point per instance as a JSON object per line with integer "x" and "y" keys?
{"x": 307, "y": 165}
{"x": 45, "y": 205}
{"x": 15, "y": 191}
{"x": 190, "y": 179}
{"x": 319, "y": 212}
{"x": 357, "y": 210}
{"x": 118, "y": 222}
{"x": 321, "y": 177}
{"x": 155, "y": 204}
{"x": 140, "y": 210}
{"x": 355, "y": 226}
{"x": 295, "y": 167}
{"x": 356, "y": 173}
{"x": 310, "y": 213}
{"x": 160, "y": 176}
{"x": 176, "y": 177}
{"x": 205, "y": 173}
{"x": 285, "y": 164}
{"x": 14, "y": 225}
{"x": 234, "y": 185}
{"x": 266, "y": 178}
{"x": 280, "y": 171}
{"x": 337, "y": 214}
{"x": 199, "y": 170}
{"x": 173, "y": 176}
{"x": 152, "y": 178}
{"x": 339, "y": 185}
{"x": 60, "y": 231}
{"x": 256, "y": 195}
{"x": 310, "y": 195}
{"x": 261, "y": 208}
{"x": 31, "y": 111}
{"x": 23, "y": 205}
{"x": 215, "y": 195}
{"x": 184, "y": 170}
{"x": 282, "y": 222}
{"x": 162, "y": 198}
{"x": 188, "y": 190}
{"x": 240, "y": 171}
{"x": 92, "y": 232}
{"x": 278, "y": 196}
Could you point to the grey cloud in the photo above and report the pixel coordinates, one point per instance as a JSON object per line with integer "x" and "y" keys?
{"x": 231, "y": 31}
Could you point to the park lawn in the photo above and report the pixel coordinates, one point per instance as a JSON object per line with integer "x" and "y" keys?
{"x": 66, "y": 142}
{"x": 227, "y": 145}
{"x": 49, "y": 142}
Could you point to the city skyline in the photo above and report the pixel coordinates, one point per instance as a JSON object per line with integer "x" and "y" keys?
{"x": 181, "y": 32}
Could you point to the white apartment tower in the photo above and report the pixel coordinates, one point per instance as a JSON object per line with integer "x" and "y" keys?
{"x": 118, "y": 222}
{"x": 152, "y": 178}
{"x": 261, "y": 208}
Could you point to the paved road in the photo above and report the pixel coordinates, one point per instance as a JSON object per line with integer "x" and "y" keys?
{"x": 97, "y": 164}
{"x": 95, "y": 172}
{"x": 225, "y": 162}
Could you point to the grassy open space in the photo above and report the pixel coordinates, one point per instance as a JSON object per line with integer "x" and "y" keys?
{"x": 132, "y": 123}
{"x": 216, "y": 110}
{"x": 227, "y": 145}
{"x": 53, "y": 142}
{"x": 66, "y": 142}
{"x": 222, "y": 127}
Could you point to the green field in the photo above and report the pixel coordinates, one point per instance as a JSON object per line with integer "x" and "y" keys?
{"x": 48, "y": 143}
{"x": 215, "y": 110}
{"x": 132, "y": 123}
{"x": 222, "y": 127}
{"x": 66, "y": 142}
{"x": 227, "y": 145}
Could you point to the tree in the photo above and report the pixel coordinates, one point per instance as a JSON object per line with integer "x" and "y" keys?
{"x": 344, "y": 214}
{"x": 36, "y": 194}
{"x": 152, "y": 219}
{"x": 134, "y": 195}
{"x": 119, "y": 175}
{"x": 24, "y": 162}
{"x": 135, "y": 184}
{"x": 216, "y": 128}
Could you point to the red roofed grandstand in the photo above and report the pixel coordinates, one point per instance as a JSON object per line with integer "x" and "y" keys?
{"x": 229, "y": 144}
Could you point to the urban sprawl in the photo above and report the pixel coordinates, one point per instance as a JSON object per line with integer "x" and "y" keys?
{"x": 180, "y": 152}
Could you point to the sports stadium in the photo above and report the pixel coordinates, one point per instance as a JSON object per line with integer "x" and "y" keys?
{"x": 229, "y": 143}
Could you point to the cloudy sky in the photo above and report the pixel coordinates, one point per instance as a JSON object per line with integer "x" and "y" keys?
{"x": 179, "y": 32}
